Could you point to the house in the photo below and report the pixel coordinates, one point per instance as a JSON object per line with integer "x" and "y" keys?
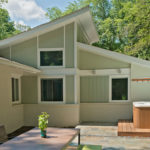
{"x": 55, "y": 68}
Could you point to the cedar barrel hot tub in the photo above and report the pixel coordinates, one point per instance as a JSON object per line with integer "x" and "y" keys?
{"x": 141, "y": 115}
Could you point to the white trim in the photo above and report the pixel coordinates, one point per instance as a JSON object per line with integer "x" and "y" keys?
{"x": 37, "y": 51}
{"x": 64, "y": 89}
{"x": 58, "y": 71}
{"x": 75, "y": 44}
{"x": 74, "y": 71}
{"x": 78, "y": 88}
{"x": 16, "y": 76}
{"x": 51, "y": 77}
{"x": 51, "y": 50}
{"x": 64, "y": 56}
{"x": 75, "y": 90}
{"x": 113, "y": 55}
{"x": 110, "y": 87}
{"x": 101, "y": 72}
{"x": 10, "y": 52}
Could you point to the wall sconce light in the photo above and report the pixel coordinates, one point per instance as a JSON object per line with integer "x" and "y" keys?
{"x": 119, "y": 71}
{"x": 94, "y": 71}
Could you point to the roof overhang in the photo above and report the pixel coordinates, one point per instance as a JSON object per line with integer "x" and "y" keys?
{"x": 17, "y": 65}
{"x": 82, "y": 16}
{"x": 86, "y": 23}
{"x": 114, "y": 55}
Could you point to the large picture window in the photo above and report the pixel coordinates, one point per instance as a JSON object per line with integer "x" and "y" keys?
{"x": 119, "y": 89}
{"x": 51, "y": 58}
{"x": 52, "y": 90}
{"x": 15, "y": 89}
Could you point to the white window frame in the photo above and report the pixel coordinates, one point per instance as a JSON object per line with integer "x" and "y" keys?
{"x": 51, "y": 50}
{"x": 39, "y": 89}
{"x": 110, "y": 87}
{"x": 16, "y": 76}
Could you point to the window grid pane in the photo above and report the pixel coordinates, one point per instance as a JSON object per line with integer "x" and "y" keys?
{"x": 120, "y": 89}
{"x": 51, "y": 58}
{"x": 15, "y": 89}
{"x": 52, "y": 90}
{"x": 13, "y": 92}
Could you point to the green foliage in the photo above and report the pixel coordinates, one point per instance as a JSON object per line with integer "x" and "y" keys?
{"x": 54, "y": 13}
{"x": 6, "y": 25}
{"x": 123, "y": 25}
{"x": 3, "y": 1}
{"x": 43, "y": 121}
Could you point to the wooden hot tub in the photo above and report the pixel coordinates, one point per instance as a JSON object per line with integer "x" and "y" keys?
{"x": 141, "y": 115}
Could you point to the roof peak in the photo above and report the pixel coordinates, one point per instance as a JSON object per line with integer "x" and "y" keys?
{"x": 43, "y": 28}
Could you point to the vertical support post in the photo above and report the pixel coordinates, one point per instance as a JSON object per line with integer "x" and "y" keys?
{"x": 75, "y": 44}
{"x": 75, "y": 89}
{"x": 10, "y": 52}
{"x": 38, "y": 55}
{"x": 64, "y": 51}
{"x": 79, "y": 138}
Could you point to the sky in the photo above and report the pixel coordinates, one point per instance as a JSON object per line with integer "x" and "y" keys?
{"x": 32, "y": 12}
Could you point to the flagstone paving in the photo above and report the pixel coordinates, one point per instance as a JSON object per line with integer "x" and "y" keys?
{"x": 106, "y": 135}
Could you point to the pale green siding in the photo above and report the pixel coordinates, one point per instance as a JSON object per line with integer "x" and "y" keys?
{"x": 25, "y": 52}
{"x": 53, "y": 39}
{"x": 92, "y": 61}
{"x": 69, "y": 45}
{"x": 80, "y": 36}
{"x": 5, "y": 53}
{"x": 140, "y": 91}
{"x": 70, "y": 89}
{"x": 94, "y": 89}
{"x": 29, "y": 90}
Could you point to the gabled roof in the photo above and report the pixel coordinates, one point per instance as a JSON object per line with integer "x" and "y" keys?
{"x": 114, "y": 55}
{"x": 25, "y": 68}
{"x": 82, "y": 17}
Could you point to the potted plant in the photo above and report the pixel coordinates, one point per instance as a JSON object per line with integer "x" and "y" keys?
{"x": 43, "y": 123}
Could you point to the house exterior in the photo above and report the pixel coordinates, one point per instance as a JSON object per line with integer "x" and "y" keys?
{"x": 54, "y": 68}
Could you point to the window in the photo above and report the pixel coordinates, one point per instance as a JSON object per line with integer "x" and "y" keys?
{"x": 52, "y": 90}
{"x": 51, "y": 58}
{"x": 15, "y": 90}
{"x": 119, "y": 89}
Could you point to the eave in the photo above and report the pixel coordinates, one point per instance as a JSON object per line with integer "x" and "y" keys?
{"x": 17, "y": 65}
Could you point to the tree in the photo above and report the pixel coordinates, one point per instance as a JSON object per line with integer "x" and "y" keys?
{"x": 54, "y": 13}
{"x": 138, "y": 29}
{"x": 127, "y": 29}
{"x": 3, "y": 1}
{"x": 6, "y": 25}
{"x": 100, "y": 9}
{"x": 21, "y": 27}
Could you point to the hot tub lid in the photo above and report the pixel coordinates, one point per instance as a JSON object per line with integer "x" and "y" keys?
{"x": 141, "y": 104}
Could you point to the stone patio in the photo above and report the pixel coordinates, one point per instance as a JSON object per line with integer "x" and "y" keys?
{"x": 106, "y": 135}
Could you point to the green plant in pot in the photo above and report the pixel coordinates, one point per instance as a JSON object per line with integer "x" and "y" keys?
{"x": 43, "y": 123}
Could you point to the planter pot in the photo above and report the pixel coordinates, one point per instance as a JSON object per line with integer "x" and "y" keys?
{"x": 43, "y": 133}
